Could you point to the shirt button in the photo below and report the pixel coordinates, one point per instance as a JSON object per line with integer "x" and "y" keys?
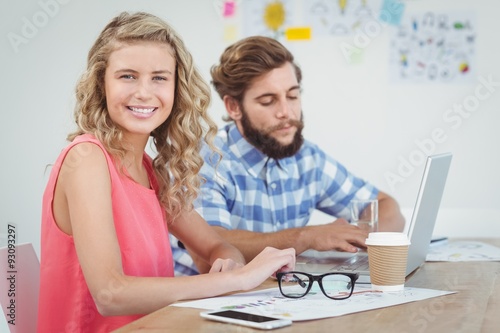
{"x": 273, "y": 186}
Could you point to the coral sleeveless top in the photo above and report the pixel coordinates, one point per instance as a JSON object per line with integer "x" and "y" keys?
{"x": 65, "y": 302}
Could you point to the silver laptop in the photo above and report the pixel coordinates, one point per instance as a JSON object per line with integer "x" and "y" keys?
{"x": 419, "y": 231}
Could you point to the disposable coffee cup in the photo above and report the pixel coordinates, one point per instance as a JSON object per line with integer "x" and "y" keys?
{"x": 387, "y": 257}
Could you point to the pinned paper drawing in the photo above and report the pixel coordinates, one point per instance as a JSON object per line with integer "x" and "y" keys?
{"x": 434, "y": 47}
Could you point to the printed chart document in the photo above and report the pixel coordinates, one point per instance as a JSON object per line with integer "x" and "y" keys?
{"x": 464, "y": 251}
{"x": 314, "y": 305}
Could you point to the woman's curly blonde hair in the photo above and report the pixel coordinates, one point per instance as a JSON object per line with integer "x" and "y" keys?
{"x": 178, "y": 139}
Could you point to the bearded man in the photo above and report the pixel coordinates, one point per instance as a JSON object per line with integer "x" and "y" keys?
{"x": 269, "y": 180}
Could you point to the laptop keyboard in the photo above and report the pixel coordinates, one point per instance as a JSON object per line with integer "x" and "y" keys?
{"x": 333, "y": 261}
{"x": 355, "y": 263}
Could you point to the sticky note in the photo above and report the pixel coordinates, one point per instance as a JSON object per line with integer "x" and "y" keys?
{"x": 356, "y": 57}
{"x": 298, "y": 33}
{"x": 229, "y": 8}
{"x": 392, "y": 11}
{"x": 230, "y": 33}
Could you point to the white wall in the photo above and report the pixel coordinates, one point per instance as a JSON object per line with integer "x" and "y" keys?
{"x": 38, "y": 83}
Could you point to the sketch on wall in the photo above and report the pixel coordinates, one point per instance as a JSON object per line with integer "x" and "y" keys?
{"x": 424, "y": 47}
{"x": 268, "y": 18}
{"x": 273, "y": 18}
{"x": 339, "y": 17}
{"x": 433, "y": 47}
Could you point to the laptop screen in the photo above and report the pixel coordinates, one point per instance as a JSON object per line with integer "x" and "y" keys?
{"x": 426, "y": 208}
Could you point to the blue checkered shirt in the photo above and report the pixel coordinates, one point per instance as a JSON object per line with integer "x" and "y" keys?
{"x": 251, "y": 191}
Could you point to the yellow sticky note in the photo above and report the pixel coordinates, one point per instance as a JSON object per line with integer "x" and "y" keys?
{"x": 230, "y": 33}
{"x": 298, "y": 33}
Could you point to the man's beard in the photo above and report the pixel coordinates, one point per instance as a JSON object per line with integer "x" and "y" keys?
{"x": 269, "y": 145}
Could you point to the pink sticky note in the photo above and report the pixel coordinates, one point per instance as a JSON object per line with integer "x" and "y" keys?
{"x": 229, "y": 7}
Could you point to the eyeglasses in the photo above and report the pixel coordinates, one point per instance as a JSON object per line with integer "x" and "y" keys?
{"x": 334, "y": 285}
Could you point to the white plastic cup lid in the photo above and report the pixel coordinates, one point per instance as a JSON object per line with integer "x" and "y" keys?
{"x": 387, "y": 239}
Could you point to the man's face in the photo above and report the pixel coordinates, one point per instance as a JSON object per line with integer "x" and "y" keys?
{"x": 271, "y": 115}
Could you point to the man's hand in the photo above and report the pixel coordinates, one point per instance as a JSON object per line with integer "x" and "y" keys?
{"x": 338, "y": 235}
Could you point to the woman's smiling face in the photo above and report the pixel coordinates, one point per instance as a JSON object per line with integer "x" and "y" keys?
{"x": 140, "y": 86}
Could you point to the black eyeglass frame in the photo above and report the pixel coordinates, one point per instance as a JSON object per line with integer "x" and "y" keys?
{"x": 319, "y": 279}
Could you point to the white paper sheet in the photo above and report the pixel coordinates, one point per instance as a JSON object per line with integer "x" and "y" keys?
{"x": 315, "y": 305}
{"x": 464, "y": 251}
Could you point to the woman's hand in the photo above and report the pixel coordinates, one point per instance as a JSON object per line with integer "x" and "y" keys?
{"x": 224, "y": 265}
{"x": 265, "y": 265}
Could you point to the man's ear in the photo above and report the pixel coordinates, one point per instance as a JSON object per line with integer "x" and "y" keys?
{"x": 232, "y": 107}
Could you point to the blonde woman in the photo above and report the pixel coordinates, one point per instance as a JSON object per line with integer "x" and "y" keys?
{"x": 108, "y": 207}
